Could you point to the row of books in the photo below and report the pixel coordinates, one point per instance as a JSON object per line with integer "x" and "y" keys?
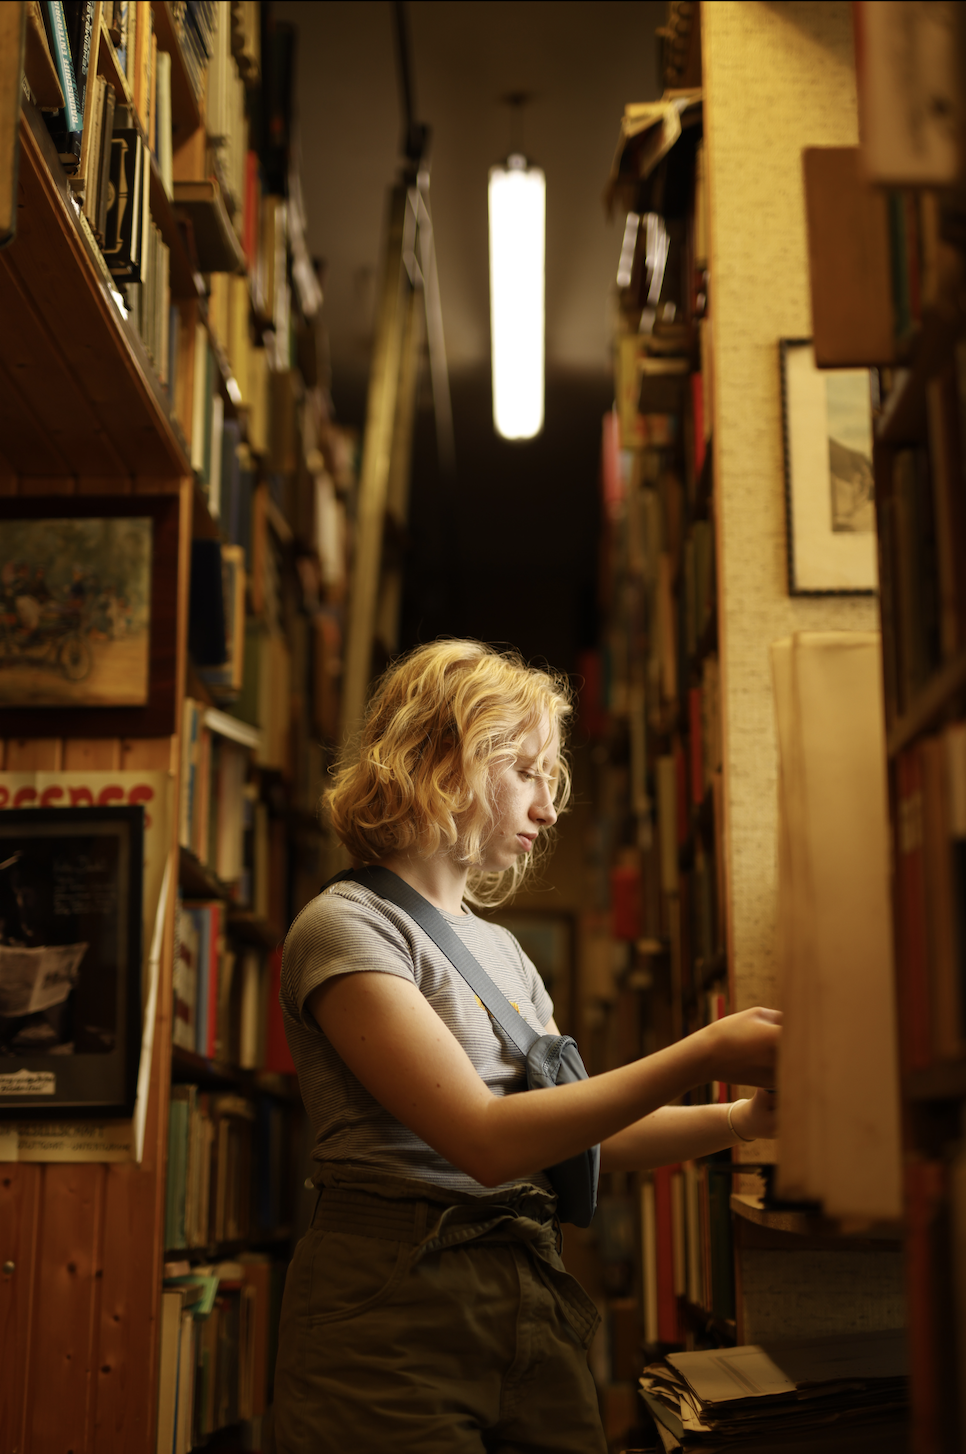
{"x": 216, "y": 809}
{"x": 931, "y": 893}
{"x": 209, "y": 1183}
{"x": 922, "y": 527}
{"x": 225, "y": 993}
{"x": 228, "y": 1161}
{"x": 219, "y": 1334}
{"x": 687, "y": 1246}
{"x": 149, "y": 303}
{"x": 194, "y": 22}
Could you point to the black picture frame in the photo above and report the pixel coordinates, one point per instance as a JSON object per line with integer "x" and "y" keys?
{"x": 70, "y": 916}
{"x": 156, "y": 717}
{"x": 825, "y": 558}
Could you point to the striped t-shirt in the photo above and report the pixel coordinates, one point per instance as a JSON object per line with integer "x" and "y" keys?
{"x": 349, "y": 928}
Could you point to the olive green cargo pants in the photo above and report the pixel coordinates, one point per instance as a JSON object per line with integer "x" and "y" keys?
{"x": 417, "y": 1319}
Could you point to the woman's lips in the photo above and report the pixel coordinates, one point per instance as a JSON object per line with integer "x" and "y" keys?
{"x": 527, "y": 840}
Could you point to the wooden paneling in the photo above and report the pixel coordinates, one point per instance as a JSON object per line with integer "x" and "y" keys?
{"x": 92, "y": 754}
{"x": 20, "y": 1201}
{"x": 67, "y": 1307}
{"x": 34, "y": 754}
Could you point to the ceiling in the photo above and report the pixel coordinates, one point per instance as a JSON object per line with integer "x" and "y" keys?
{"x": 521, "y": 518}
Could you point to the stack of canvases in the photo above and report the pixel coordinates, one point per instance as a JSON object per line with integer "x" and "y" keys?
{"x": 834, "y": 1394}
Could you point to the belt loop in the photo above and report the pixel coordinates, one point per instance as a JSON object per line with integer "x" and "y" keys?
{"x": 315, "y": 1212}
{"x": 419, "y": 1222}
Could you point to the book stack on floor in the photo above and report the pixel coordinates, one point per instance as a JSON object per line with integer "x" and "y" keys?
{"x": 834, "y": 1395}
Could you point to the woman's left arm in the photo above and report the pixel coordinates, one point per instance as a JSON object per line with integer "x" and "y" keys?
{"x": 681, "y": 1133}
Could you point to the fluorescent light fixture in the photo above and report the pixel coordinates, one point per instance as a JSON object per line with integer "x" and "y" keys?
{"x": 518, "y": 196}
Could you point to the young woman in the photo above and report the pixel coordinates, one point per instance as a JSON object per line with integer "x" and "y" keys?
{"x": 427, "y": 1309}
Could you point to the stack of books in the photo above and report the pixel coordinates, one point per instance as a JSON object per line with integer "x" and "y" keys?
{"x": 828, "y": 1394}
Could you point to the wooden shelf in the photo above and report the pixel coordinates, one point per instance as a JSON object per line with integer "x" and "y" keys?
{"x": 228, "y": 1251}
{"x": 199, "y": 882}
{"x": 929, "y": 705}
{"x": 189, "y": 1068}
{"x": 109, "y": 67}
{"x": 812, "y": 1224}
{"x": 219, "y": 248}
{"x": 185, "y": 111}
{"x": 78, "y": 394}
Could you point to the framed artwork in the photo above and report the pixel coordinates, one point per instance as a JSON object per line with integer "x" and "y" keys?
{"x": 88, "y": 614}
{"x": 70, "y": 960}
{"x": 829, "y": 484}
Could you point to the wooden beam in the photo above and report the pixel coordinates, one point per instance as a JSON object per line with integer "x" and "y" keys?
{"x": 376, "y": 458}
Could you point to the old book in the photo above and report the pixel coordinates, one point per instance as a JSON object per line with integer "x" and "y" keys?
{"x": 668, "y": 1327}
{"x": 849, "y": 265}
{"x": 839, "y": 1093}
{"x": 172, "y": 1301}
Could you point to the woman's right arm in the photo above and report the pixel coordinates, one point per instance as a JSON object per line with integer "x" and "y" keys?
{"x": 398, "y": 1047}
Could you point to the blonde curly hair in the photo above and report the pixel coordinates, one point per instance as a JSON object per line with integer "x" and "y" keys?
{"x": 422, "y": 775}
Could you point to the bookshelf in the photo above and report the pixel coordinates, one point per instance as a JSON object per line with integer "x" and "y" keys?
{"x": 190, "y": 372}
{"x": 918, "y": 465}
{"x": 770, "y": 85}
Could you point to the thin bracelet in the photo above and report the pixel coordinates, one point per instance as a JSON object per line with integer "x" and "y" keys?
{"x": 734, "y": 1129}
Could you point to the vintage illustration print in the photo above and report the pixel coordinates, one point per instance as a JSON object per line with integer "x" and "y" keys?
{"x": 75, "y": 612}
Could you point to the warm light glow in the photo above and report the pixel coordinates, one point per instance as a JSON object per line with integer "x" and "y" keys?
{"x": 517, "y": 232}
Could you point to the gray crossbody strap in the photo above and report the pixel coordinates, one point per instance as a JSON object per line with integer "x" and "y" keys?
{"x": 390, "y": 886}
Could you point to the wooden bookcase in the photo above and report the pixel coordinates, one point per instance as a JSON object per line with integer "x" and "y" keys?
{"x": 773, "y": 81}
{"x": 84, "y": 411}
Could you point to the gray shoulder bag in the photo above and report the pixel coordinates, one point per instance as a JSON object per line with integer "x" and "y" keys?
{"x": 550, "y": 1059}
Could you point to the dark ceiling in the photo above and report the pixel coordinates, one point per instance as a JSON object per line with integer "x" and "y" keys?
{"x": 509, "y": 551}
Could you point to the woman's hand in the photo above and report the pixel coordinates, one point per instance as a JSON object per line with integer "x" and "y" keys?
{"x": 741, "y": 1049}
{"x": 757, "y": 1118}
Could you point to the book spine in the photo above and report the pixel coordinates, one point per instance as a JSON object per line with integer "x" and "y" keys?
{"x": 72, "y": 115}
{"x": 915, "y": 1036}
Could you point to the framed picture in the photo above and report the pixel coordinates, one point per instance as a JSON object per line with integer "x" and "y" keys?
{"x": 70, "y": 960}
{"x": 829, "y": 486}
{"x": 88, "y": 614}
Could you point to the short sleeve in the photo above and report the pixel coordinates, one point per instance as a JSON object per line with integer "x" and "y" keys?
{"x": 334, "y": 935}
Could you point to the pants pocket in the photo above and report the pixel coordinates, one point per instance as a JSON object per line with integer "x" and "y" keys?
{"x": 350, "y": 1275}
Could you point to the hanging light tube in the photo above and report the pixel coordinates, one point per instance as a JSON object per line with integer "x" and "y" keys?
{"x": 517, "y": 196}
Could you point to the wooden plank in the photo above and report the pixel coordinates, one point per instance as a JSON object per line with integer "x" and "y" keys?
{"x": 92, "y": 754}
{"x": 848, "y": 254}
{"x": 27, "y": 445}
{"x": 67, "y": 1306}
{"x": 134, "y": 1231}
{"x": 35, "y": 353}
{"x": 20, "y": 1191}
{"x": 149, "y": 754}
{"x": 65, "y": 275}
{"x": 374, "y": 475}
{"x": 34, "y": 754}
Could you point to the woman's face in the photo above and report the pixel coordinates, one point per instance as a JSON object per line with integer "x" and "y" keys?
{"x": 525, "y": 791}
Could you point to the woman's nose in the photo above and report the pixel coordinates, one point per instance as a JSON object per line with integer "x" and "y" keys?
{"x": 543, "y": 809}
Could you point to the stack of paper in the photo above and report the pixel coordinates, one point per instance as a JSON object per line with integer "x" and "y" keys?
{"x": 830, "y": 1394}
